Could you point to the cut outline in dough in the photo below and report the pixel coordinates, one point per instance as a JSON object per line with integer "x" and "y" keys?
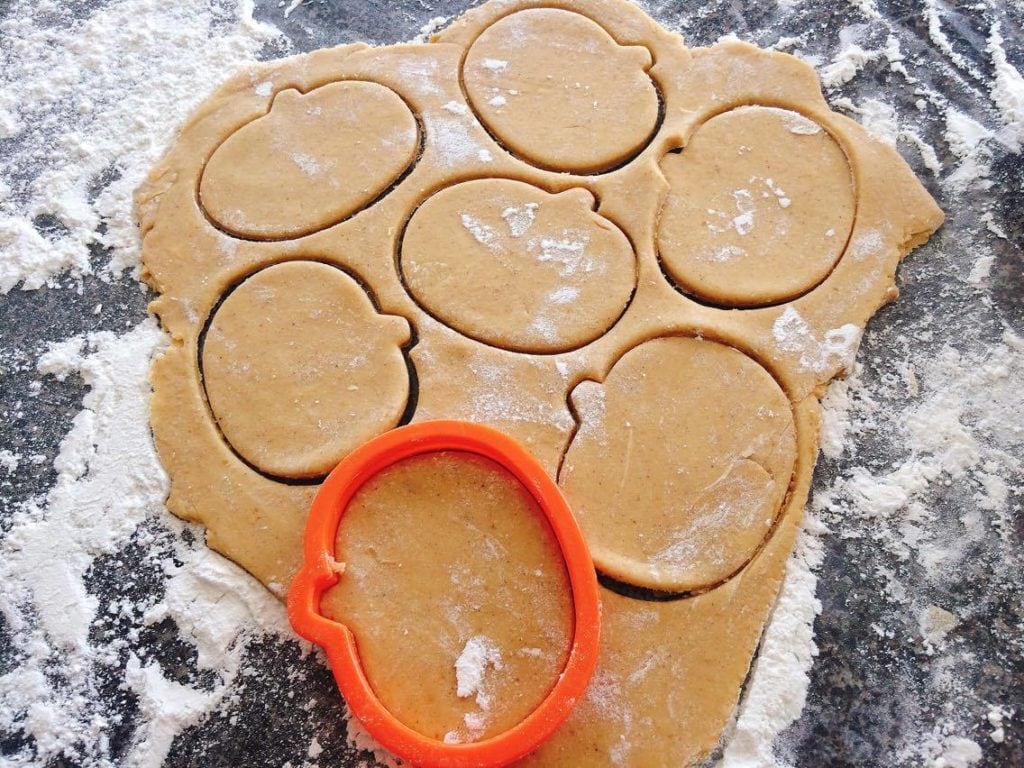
{"x": 551, "y": 189}
{"x": 643, "y": 147}
{"x": 412, "y": 399}
{"x": 854, "y": 220}
{"x": 421, "y": 143}
{"x": 636, "y": 591}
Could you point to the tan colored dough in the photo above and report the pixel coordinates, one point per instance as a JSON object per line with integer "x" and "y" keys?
{"x": 313, "y": 160}
{"x": 670, "y": 672}
{"x": 759, "y": 208}
{"x": 681, "y": 462}
{"x": 310, "y": 332}
{"x": 592, "y": 110}
{"x": 491, "y": 578}
{"x": 511, "y": 265}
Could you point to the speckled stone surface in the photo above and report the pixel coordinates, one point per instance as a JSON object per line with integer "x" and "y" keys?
{"x": 877, "y": 689}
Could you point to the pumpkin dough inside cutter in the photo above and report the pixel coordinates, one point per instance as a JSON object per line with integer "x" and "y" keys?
{"x": 514, "y": 266}
{"x": 299, "y": 368}
{"x": 680, "y": 464}
{"x": 555, "y": 89}
{"x": 760, "y": 208}
{"x": 456, "y": 549}
{"x": 313, "y": 160}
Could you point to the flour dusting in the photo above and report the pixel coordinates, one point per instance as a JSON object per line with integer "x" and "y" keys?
{"x": 89, "y": 107}
{"x": 479, "y": 654}
{"x": 520, "y": 219}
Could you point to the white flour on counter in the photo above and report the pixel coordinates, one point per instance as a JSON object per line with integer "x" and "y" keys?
{"x": 88, "y": 104}
{"x": 102, "y": 95}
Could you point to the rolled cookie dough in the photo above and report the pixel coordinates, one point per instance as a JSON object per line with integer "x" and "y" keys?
{"x": 517, "y": 267}
{"x": 309, "y": 331}
{"x": 459, "y": 545}
{"x": 740, "y": 241}
{"x": 680, "y": 464}
{"x": 703, "y": 365}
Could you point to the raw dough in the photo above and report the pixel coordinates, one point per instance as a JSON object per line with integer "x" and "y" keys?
{"x": 511, "y": 265}
{"x": 311, "y": 161}
{"x": 671, "y": 671}
{"x": 307, "y": 331}
{"x": 459, "y": 545}
{"x": 759, "y": 208}
{"x": 557, "y": 90}
{"x": 681, "y": 462}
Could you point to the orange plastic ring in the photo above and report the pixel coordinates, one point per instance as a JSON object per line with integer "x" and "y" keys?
{"x": 319, "y": 572}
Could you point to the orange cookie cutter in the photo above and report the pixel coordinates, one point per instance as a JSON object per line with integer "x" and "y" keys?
{"x": 320, "y": 571}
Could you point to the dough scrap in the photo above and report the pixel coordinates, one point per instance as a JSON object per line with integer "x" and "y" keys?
{"x": 670, "y": 672}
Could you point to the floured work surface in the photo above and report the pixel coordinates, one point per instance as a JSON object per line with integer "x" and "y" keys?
{"x": 642, "y": 261}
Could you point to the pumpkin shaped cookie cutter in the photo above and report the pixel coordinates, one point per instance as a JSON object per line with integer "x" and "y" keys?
{"x": 320, "y": 571}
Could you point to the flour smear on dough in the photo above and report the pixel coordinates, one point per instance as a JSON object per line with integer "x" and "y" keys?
{"x": 87, "y": 105}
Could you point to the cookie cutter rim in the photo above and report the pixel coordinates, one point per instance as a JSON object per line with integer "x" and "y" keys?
{"x": 320, "y": 571}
